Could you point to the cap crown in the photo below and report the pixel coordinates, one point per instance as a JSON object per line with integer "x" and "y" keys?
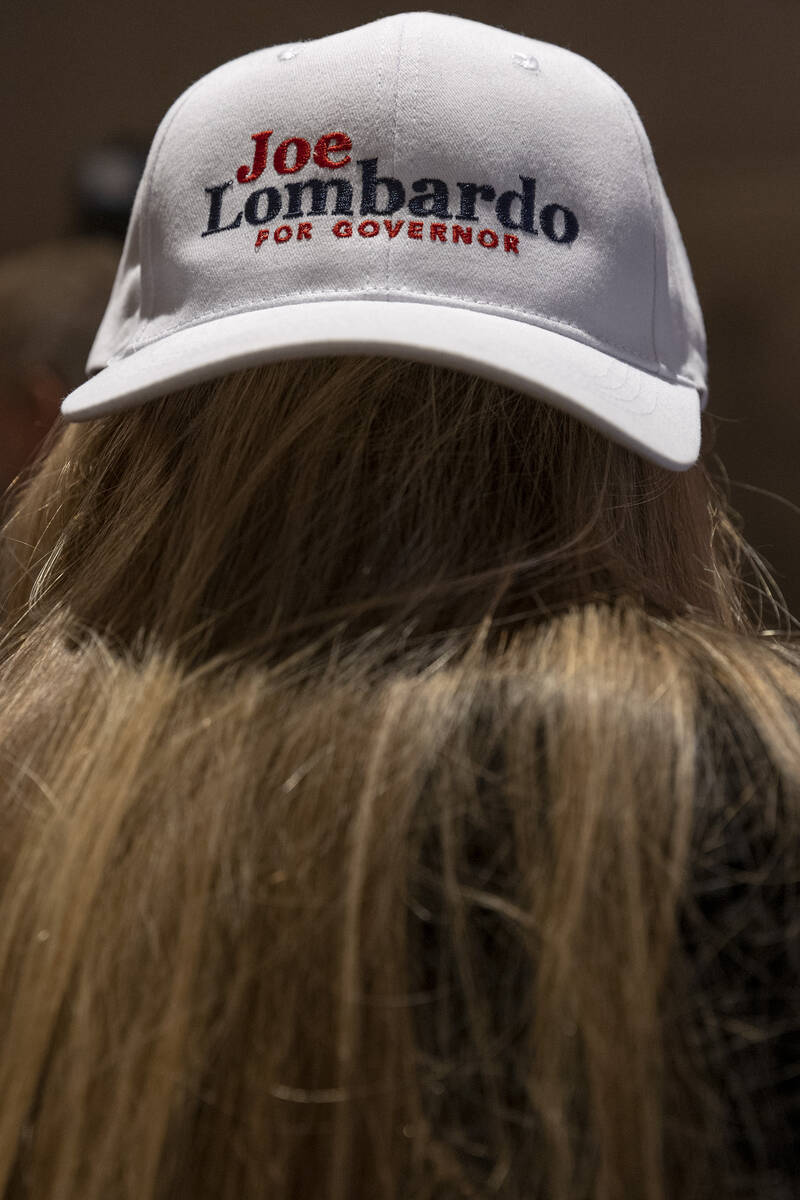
{"x": 421, "y": 157}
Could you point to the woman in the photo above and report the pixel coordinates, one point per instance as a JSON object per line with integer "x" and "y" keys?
{"x": 400, "y": 791}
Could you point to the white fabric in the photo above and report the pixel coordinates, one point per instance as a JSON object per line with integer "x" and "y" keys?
{"x": 648, "y": 414}
{"x": 599, "y": 316}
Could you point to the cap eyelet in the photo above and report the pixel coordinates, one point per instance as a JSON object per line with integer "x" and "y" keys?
{"x": 290, "y": 52}
{"x": 526, "y": 61}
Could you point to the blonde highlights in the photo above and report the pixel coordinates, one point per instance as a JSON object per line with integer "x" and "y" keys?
{"x": 388, "y": 764}
{"x": 358, "y": 488}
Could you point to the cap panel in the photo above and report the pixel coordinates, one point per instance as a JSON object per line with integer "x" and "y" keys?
{"x": 680, "y": 329}
{"x": 556, "y": 135}
{"x": 204, "y": 224}
{"x": 122, "y": 319}
{"x": 126, "y": 310}
{"x": 679, "y": 335}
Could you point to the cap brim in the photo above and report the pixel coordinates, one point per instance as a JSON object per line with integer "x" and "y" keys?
{"x": 654, "y": 416}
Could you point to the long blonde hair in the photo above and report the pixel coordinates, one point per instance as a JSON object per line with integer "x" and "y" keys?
{"x": 400, "y": 795}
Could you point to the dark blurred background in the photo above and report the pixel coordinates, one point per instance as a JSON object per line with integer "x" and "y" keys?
{"x": 716, "y": 84}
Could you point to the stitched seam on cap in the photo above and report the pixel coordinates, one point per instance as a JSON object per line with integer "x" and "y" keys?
{"x": 381, "y": 69}
{"x": 469, "y": 302}
{"x": 658, "y": 220}
{"x": 540, "y": 321}
{"x": 166, "y": 125}
{"x": 163, "y": 130}
{"x": 400, "y": 40}
{"x": 633, "y": 120}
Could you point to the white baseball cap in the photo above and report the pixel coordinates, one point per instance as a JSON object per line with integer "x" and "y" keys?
{"x": 423, "y": 187}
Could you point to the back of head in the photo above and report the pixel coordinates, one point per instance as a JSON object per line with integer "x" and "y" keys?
{"x": 400, "y": 792}
{"x": 381, "y": 490}
{"x": 394, "y": 805}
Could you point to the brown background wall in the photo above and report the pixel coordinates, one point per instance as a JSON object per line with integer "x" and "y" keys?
{"x": 716, "y": 83}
